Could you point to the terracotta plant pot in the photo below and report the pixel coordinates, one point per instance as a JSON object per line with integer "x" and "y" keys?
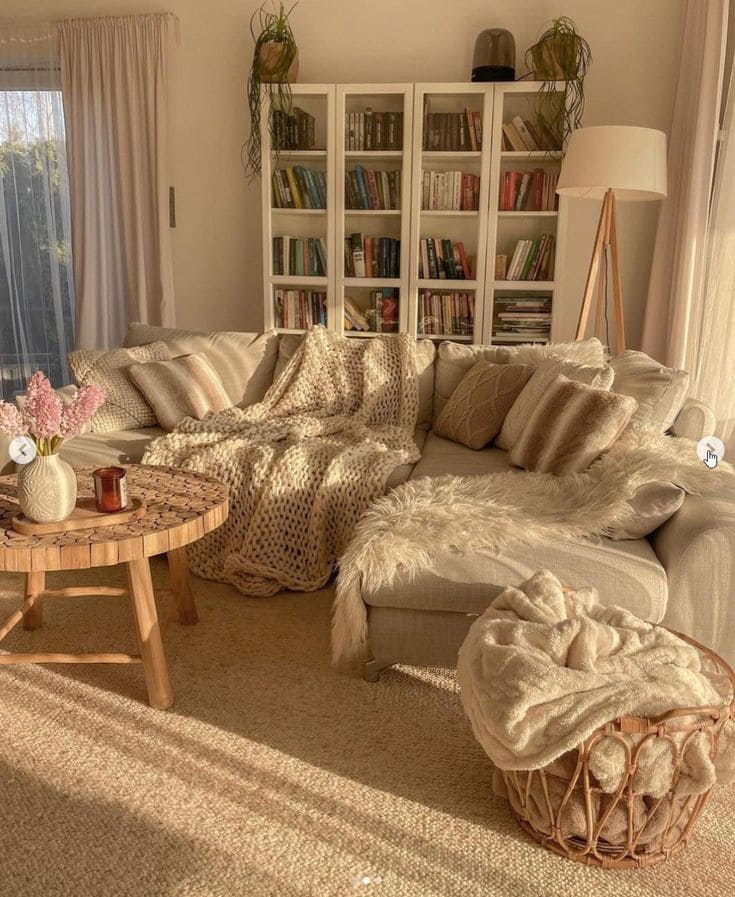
{"x": 269, "y": 63}
{"x": 47, "y": 489}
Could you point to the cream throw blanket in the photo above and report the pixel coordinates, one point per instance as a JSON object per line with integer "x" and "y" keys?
{"x": 403, "y": 531}
{"x": 303, "y": 464}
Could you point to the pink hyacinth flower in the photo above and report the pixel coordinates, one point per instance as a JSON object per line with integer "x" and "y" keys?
{"x": 42, "y": 408}
{"x": 87, "y": 401}
{"x": 11, "y": 421}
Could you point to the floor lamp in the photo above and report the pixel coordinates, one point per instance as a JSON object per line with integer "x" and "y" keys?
{"x": 611, "y": 162}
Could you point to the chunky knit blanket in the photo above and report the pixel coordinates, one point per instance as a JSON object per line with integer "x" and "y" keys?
{"x": 303, "y": 464}
{"x": 403, "y": 531}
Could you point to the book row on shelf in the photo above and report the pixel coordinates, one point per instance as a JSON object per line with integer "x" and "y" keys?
{"x": 452, "y": 314}
{"x": 296, "y": 131}
{"x": 369, "y": 189}
{"x": 299, "y": 309}
{"x": 531, "y": 260}
{"x": 302, "y": 256}
{"x": 370, "y": 130}
{"x": 372, "y": 256}
{"x": 524, "y": 136}
{"x": 380, "y": 317}
{"x": 299, "y": 188}
{"x": 522, "y": 318}
{"x": 443, "y": 259}
{"x": 533, "y": 191}
{"x": 452, "y": 131}
{"x": 457, "y": 191}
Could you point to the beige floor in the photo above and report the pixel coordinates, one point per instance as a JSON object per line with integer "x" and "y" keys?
{"x": 273, "y": 775}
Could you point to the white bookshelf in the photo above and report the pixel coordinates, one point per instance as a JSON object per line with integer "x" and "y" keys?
{"x": 484, "y": 231}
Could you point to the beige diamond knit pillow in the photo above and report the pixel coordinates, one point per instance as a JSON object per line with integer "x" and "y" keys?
{"x": 124, "y": 408}
{"x": 600, "y": 377}
{"x": 475, "y": 411}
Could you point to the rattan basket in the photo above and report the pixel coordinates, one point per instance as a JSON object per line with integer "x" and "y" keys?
{"x": 648, "y": 830}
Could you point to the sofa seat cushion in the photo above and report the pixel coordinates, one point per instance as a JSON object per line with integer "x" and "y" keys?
{"x": 442, "y": 456}
{"x": 625, "y": 573}
{"x": 104, "y": 449}
{"x": 403, "y": 472}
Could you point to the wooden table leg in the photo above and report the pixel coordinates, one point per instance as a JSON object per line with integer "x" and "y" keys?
{"x": 160, "y": 693}
{"x": 35, "y": 584}
{"x": 178, "y": 568}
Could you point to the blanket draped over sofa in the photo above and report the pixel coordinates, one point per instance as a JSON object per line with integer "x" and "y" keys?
{"x": 402, "y": 531}
{"x": 303, "y": 464}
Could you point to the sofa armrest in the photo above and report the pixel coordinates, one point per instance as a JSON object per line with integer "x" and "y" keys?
{"x": 695, "y": 420}
{"x": 697, "y": 549}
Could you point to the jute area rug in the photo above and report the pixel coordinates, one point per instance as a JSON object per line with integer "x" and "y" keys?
{"x": 272, "y": 775}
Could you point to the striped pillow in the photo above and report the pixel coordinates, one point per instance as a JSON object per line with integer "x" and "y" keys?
{"x": 187, "y": 386}
{"x": 571, "y": 426}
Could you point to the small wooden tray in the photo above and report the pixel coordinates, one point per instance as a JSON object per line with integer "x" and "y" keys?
{"x": 84, "y": 516}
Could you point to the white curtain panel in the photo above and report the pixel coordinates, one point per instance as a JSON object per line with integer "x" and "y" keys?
{"x": 36, "y": 271}
{"x": 672, "y": 323}
{"x": 114, "y": 85}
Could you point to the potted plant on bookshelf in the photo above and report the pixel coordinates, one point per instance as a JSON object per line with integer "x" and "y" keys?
{"x": 560, "y": 54}
{"x": 47, "y": 485}
{"x": 275, "y": 66}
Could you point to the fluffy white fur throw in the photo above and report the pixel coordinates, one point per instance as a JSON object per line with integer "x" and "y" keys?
{"x": 402, "y": 531}
{"x": 542, "y": 669}
{"x": 303, "y": 464}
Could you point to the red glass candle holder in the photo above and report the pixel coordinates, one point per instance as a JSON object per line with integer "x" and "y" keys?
{"x": 110, "y": 489}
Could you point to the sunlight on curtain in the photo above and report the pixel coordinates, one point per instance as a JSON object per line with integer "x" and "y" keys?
{"x": 715, "y": 375}
{"x": 36, "y": 288}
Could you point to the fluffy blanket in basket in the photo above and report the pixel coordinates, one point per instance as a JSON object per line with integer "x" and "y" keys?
{"x": 303, "y": 464}
{"x": 543, "y": 668}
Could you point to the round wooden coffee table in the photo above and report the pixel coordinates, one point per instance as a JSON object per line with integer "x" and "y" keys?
{"x": 182, "y": 506}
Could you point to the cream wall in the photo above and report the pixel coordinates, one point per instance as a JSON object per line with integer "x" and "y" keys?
{"x": 216, "y": 244}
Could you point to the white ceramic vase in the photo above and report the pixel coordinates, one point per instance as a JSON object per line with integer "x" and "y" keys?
{"x": 47, "y": 489}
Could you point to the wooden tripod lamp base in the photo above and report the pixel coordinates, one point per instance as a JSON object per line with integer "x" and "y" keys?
{"x": 604, "y": 267}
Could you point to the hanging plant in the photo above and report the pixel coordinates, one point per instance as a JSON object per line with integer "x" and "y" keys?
{"x": 275, "y": 66}
{"x": 560, "y": 54}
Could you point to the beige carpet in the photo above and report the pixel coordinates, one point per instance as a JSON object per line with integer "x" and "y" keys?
{"x": 273, "y": 775}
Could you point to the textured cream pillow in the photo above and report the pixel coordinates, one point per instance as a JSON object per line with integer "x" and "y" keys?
{"x": 244, "y": 361}
{"x": 187, "y": 386}
{"x": 601, "y": 377}
{"x": 660, "y": 391}
{"x": 571, "y": 425}
{"x": 650, "y": 508}
{"x": 124, "y": 408}
{"x": 477, "y": 408}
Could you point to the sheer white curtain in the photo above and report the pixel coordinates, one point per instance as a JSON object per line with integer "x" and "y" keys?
{"x": 114, "y": 84}
{"x": 36, "y": 280}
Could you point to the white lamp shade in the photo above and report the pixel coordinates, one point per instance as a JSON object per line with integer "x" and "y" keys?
{"x": 631, "y": 161}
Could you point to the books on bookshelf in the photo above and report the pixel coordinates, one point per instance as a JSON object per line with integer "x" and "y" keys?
{"x": 450, "y": 191}
{"x": 533, "y": 191}
{"x": 441, "y": 259}
{"x": 446, "y": 313}
{"x": 372, "y": 256}
{"x": 531, "y": 260}
{"x": 298, "y": 309}
{"x": 299, "y": 188}
{"x": 452, "y": 131}
{"x": 370, "y": 130}
{"x": 380, "y": 317}
{"x": 301, "y": 256}
{"x": 524, "y": 136}
{"x": 522, "y": 318}
{"x": 369, "y": 189}
{"x": 296, "y": 131}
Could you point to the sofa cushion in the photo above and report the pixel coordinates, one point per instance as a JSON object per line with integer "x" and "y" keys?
{"x": 187, "y": 386}
{"x": 659, "y": 390}
{"x": 695, "y": 420}
{"x": 105, "y": 449}
{"x": 477, "y": 408}
{"x": 440, "y": 457}
{"x": 570, "y": 427}
{"x": 651, "y": 506}
{"x": 245, "y": 362}
{"x": 454, "y": 360}
{"x": 600, "y": 376}
{"x": 403, "y": 472}
{"x": 125, "y": 407}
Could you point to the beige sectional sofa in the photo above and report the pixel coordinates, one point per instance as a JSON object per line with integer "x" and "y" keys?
{"x": 683, "y": 574}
